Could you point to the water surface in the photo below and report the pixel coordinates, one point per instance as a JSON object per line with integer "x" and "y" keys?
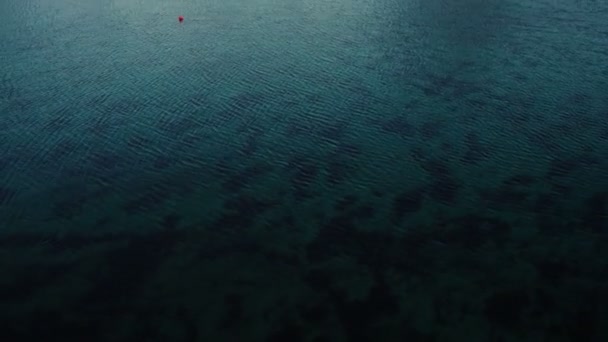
{"x": 303, "y": 170}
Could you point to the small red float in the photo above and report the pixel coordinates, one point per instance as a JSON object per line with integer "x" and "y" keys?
{"x": 180, "y": 18}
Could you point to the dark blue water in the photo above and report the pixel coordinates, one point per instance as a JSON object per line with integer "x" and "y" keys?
{"x": 382, "y": 170}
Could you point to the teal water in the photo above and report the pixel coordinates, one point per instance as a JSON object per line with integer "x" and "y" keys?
{"x": 382, "y": 170}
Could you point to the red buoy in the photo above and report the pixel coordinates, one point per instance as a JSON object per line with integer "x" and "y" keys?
{"x": 180, "y": 18}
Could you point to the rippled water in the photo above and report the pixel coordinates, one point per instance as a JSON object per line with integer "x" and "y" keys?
{"x": 304, "y": 170}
